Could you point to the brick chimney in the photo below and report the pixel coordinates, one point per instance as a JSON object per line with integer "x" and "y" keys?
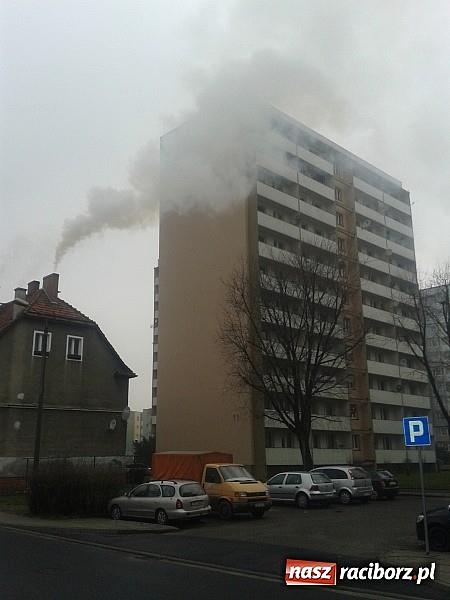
{"x": 33, "y": 287}
{"x": 50, "y": 285}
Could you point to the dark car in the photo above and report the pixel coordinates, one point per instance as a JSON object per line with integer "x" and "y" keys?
{"x": 384, "y": 484}
{"x": 438, "y": 521}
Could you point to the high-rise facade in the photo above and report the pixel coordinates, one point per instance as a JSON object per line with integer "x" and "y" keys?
{"x": 306, "y": 192}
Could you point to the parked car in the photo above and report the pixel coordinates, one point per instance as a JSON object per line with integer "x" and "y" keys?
{"x": 301, "y": 487}
{"x": 163, "y": 501}
{"x": 438, "y": 521}
{"x": 351, "y": 483}
{"x": 384, "y": 484}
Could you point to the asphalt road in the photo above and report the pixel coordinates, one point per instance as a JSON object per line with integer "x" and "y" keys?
{"x": 34, "y": 567}
{"x": 242, "y": 558}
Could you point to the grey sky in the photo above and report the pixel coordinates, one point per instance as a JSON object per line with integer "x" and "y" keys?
{"x": 86, "y": 85}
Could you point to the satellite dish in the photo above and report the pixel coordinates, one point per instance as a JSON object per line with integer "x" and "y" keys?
{"x": 112, "y": 424}
{"x": 126, "y": 413}
{"x": 17, "y": 425}
{"x": 20, "y": 396}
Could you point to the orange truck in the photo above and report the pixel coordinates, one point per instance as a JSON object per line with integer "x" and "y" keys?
{"x": 230, "y": 487}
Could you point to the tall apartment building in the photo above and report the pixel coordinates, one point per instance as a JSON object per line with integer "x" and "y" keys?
{"x": 306, "y": 191}
{"x": 439, "y": 355}
{"x": 134, "y": 430}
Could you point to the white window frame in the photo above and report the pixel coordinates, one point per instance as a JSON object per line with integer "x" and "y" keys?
{"x": 76, "y": 337}
{"x": 49, "y": 342}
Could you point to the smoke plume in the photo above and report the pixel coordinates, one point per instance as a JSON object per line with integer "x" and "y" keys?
{"x": 215, "y": 144}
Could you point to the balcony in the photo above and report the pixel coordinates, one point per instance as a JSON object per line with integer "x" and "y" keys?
{"x": 318, "y": 424}
{"x": 317, "y": 213}
{"x": 321, "y": 456}
{"x": 384, "y": 369}
{"x": 400, "y": 456}
{"x": 278, "y": 141}
{"x": 381, "y": 341}
{"x": 316, "y": 187}
{"x": 317, "y": 240}
{"x": 278, "y": 225}
{"x": 384, "y": 397}
{"x": 413, "y": 374}
{"x": 401, "y": 250}
{"x": 377, "y": 314}
{"x": 370, "y": 190}
{"x": 396, "y": 226}
{"x": 385, "y": 291}
{"x": 416, "y": 401}
{"x": 272, "y": 253}
{"x": 365, "y": 211}
{"x": 277, "y": 196}
{"x": 387, "y": 426}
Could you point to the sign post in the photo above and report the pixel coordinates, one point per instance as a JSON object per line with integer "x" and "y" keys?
{"x": 417, "y": 434}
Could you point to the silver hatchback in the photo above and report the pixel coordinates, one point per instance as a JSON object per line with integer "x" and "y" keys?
{"x": 351, "y": 483}
{"x": 301, "y": 487}
{"x": 163, "y": 501}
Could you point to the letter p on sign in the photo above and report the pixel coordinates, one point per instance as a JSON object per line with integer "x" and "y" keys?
{"x": 416, "y": 431}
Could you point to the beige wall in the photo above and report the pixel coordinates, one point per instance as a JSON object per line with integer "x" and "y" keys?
{"x": 196, "y": 408}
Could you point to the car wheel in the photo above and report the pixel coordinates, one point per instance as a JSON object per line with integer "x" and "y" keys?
{"x": 258, "y": 513}
{"x": 116, "y": 513}
{"x": 439, "y": 539}
{"x": 345, "y": 497}
{"x": 302, "y": 500}
{"x": 161, "y": 517}
{"x": 225, "y": 510}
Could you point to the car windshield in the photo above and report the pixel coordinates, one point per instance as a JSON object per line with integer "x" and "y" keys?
{"x": 320, "y": 478}
{"x": 235, "y": 473}
{"x": 188, "y": 490}
{"x": 358, "y": 473}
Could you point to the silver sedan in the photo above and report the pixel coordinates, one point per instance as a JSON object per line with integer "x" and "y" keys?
{"x": 163, "y": 501}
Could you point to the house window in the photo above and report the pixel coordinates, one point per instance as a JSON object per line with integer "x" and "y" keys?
{"x": 337, "y": 194}
{"x": 38, "y": 343}
{"x": 347, "y": 326}
{"x": 341, "y": 245}
{"x": 74, "y": 348}
{"x": 340, "y": 219}
{"x": 356, "y": 442}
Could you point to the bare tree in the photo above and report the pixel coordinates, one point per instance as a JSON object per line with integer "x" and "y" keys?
{"x": 431, "y": 308}
{"x": 286, "y": 336}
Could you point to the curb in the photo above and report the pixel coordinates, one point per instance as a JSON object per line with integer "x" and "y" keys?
{"x": 430, "y": 494}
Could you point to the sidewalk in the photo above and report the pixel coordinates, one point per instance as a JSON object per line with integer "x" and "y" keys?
{"x": 73, "y": 525}
{"x": 428, "y": 493}
{"x": 411, "y": 558}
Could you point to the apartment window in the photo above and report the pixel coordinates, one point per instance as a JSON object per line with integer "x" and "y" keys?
{"x": 338, "y": 194}
{"x": 74, "y": 348}
{"x": 356, "y": 442}
{"x": 278, "y": 244}
{"x": 341, "y": 245}
{"x": 340, "y": 219}
{"x": 347, "y": 325}
{"x": 353, "y": 411}
{"x": 387, "y": 443}
{"x": 38, "y": 343}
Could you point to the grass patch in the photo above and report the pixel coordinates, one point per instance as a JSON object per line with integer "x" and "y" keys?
{"x": 16, "y": 503}
{"x": 432, "y": 481}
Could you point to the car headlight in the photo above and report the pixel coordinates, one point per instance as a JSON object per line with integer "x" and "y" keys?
{"x": 240, "y": 494}
{"x": 419, "y": 519}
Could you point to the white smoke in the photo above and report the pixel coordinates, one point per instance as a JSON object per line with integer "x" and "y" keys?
{"x": 215, "y": 146}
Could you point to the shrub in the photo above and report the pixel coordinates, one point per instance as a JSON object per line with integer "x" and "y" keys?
{"x": 63, "y": 488}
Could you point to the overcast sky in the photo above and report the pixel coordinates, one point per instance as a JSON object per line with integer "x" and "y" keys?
{"x": 87, "y": 85}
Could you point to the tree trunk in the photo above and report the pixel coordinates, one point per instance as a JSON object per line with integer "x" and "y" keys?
{"x": 305, "y": 452}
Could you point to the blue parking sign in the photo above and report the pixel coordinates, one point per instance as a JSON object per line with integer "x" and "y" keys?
{"x": 416, "y": 431}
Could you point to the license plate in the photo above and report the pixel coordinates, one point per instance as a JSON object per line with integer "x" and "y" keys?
{"x": 197, "y": 503}
{"x": 259, "y": 505}
{"x": 392, "y": 483}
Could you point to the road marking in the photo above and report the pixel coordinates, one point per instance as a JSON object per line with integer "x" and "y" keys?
{"x": 347, "y": 591}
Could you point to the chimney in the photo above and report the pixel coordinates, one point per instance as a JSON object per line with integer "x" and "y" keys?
{"x": 33, "y": 287}
{"x": 20, "y": 294}
{"x": 19, "y": 302}
{"x": 50, "y": 286}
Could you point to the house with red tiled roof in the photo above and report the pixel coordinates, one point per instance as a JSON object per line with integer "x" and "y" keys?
{"x": 85, "y": 380}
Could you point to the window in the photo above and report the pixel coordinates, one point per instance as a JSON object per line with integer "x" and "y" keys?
{"x": 277, "y": 480}
{"x": 153, "y": 491}
{"x": 347, "y": 324}
{"x": 293, "y": 479}
{"x": 212, "y": 476}
{"x": 38, "y": 343}
{"x": 337, "y": 195}
{"x": 74, "y": 349}
{"x": 140, "y": 491}
{"x": 353, "y": 411}
{"x": 340, "y": 219}
{"x": 341, "y": 245}
{"x": 168, "y": 491}
{"x": 191, "y": 490}
{"x": 356, "y": 442}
